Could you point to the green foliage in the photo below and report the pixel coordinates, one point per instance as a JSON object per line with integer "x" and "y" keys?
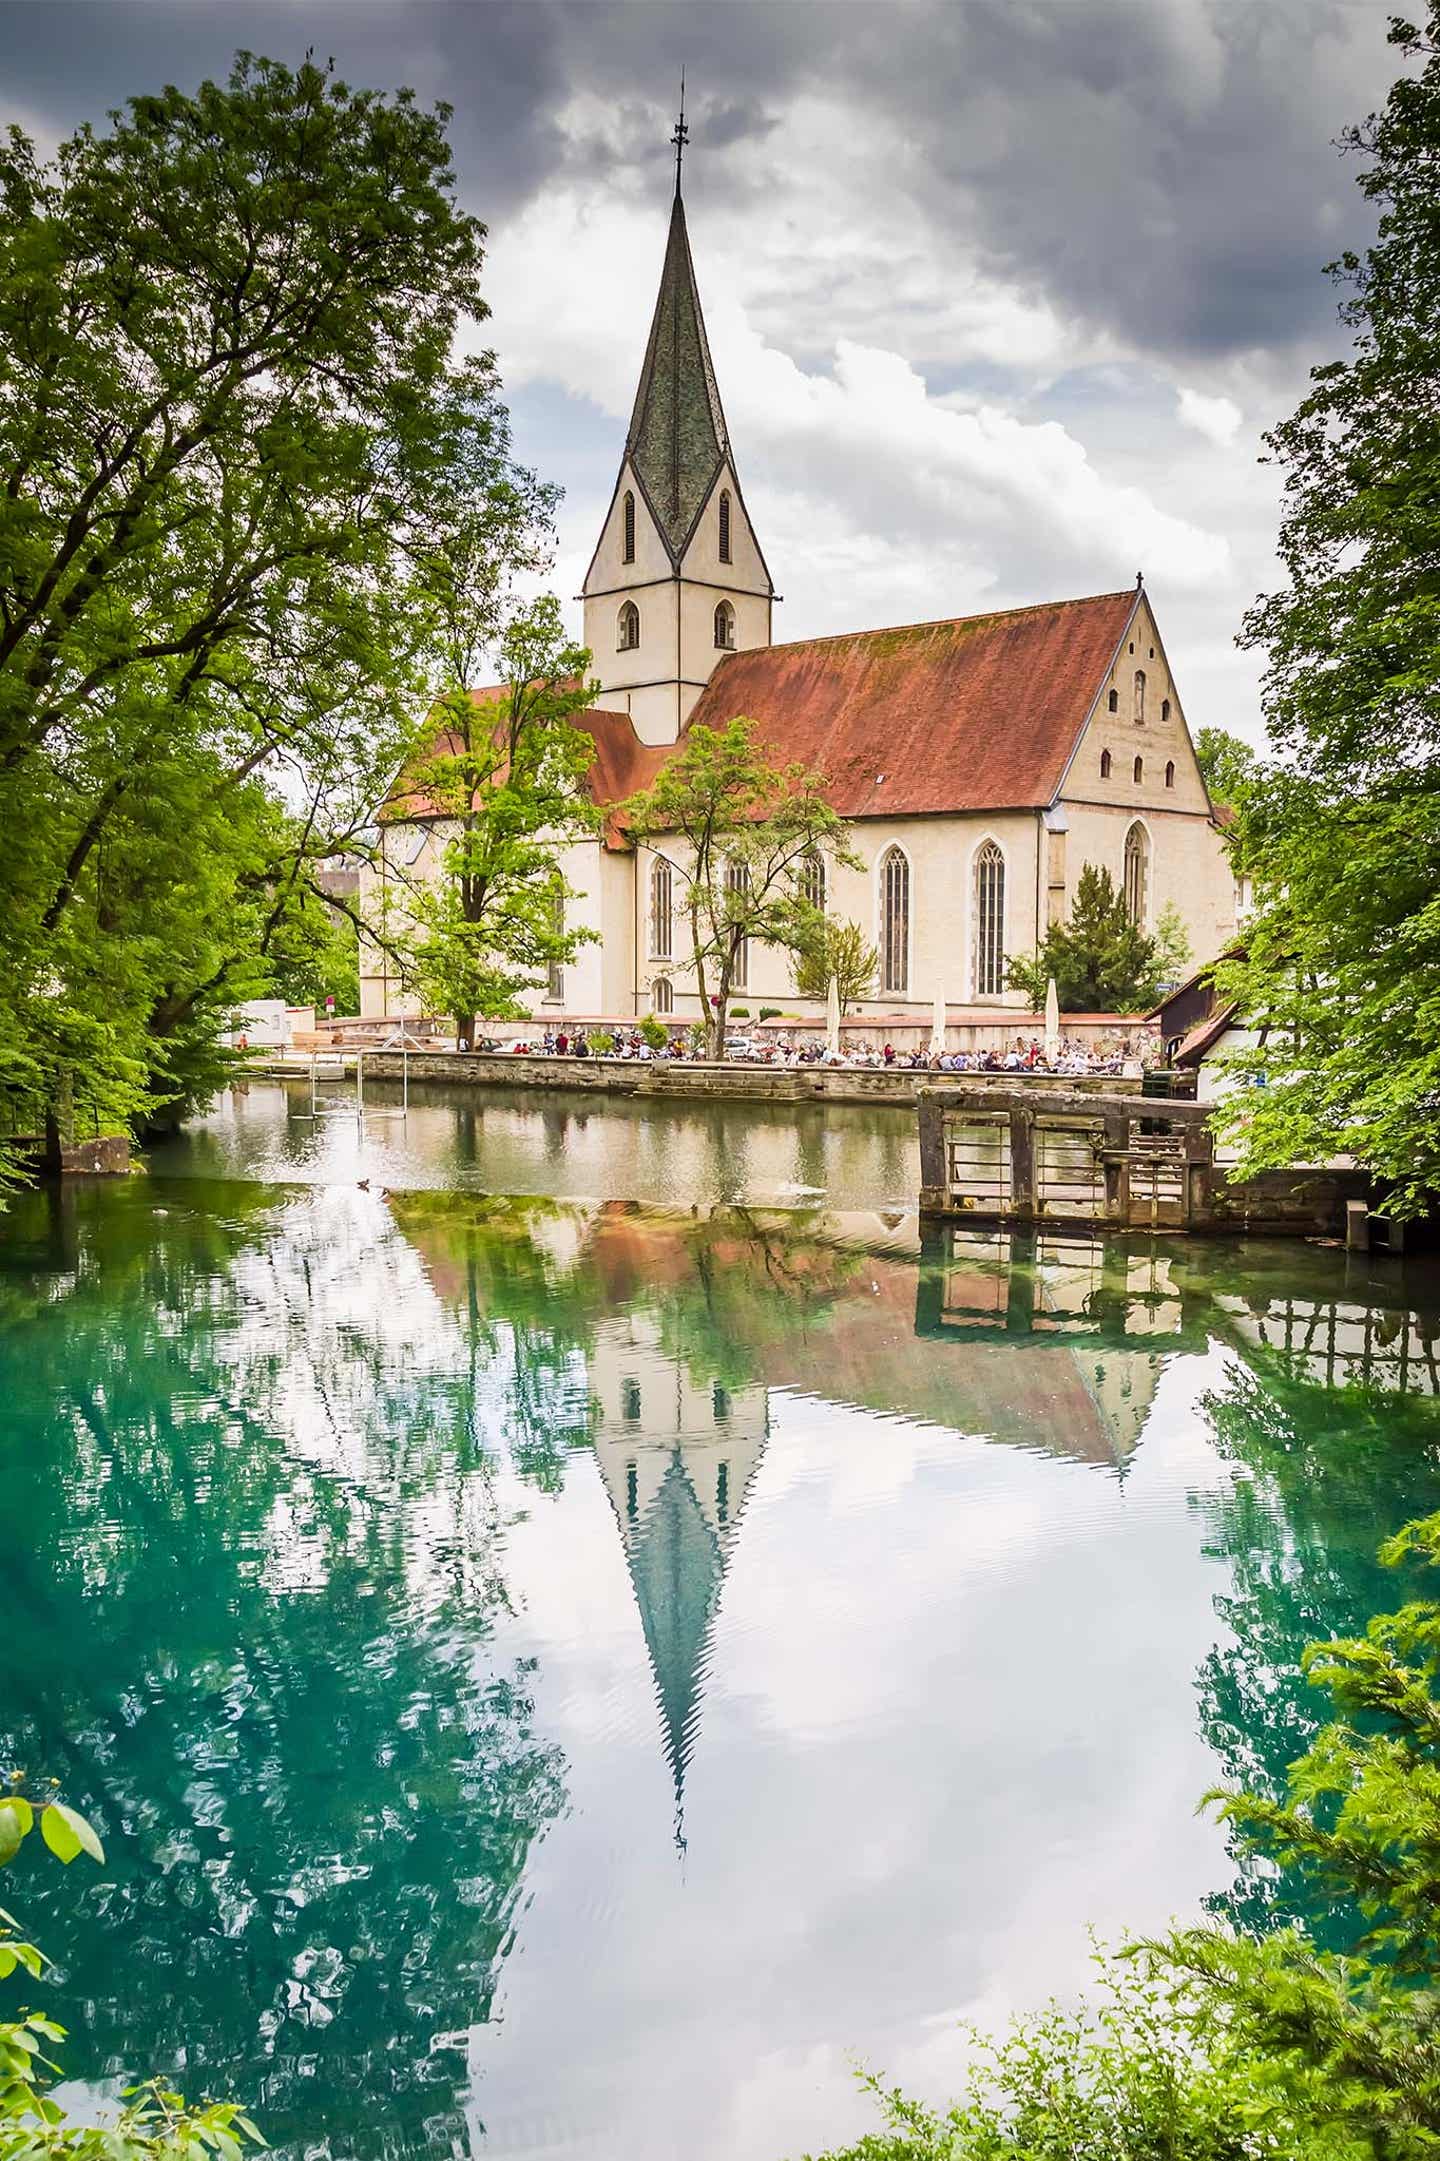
{"x": 654, "y": 1033}
{"x": 154, "y": 2125}
{"x": 1143, "y": 2077}
{"x": 1227, "y": 764}
{"x": 602, "y": 1043}
{"x": 508, "y": 780}
{"x": 1343, "y": 833}
{"x": 1173, "y": 950}
{"x": 741, "y": 834}
{"x": 1101, "y": 961}
{"x": 234, "y": 447}
{"x": 839, "y": 953}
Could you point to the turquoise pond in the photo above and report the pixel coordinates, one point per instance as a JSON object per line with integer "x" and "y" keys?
{"x": 577, "y": 1641}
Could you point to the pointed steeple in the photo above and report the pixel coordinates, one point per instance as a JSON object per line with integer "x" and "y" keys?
{"x": 678, "y": 439}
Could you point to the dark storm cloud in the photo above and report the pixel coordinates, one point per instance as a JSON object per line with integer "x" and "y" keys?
{"x": 1163, "y": 169}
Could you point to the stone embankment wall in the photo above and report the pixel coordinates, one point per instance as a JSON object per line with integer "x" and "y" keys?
{"x": 739, "y": 1083}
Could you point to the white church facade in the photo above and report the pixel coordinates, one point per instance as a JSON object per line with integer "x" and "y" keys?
{"x": 982, "y": 761}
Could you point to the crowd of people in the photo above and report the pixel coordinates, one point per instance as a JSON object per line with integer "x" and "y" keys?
{"x": 1069, "y": 1058}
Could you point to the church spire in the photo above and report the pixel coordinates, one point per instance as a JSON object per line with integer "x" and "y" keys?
{"x": 678, "y": 439}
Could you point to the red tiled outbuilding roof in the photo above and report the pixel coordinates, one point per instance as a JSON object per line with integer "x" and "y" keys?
{"x": 980, "y": 713}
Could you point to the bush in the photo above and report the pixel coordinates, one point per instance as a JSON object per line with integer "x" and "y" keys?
{"x": 770, "y": 1012}
{"x": 602, "y": 1044}
{"x": 739, "y": 1012}
{"x": 654, "y": 1032}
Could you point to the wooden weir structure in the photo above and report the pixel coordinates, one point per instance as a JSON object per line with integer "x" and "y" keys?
{"x": 1036, "y": 1154}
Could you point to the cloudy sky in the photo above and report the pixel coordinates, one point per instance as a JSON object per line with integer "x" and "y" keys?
{"x": 1002, "y": 293}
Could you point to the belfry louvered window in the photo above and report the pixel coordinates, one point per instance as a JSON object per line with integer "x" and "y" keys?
{"x": 724, "y": 525}
{"x": 629, "y": 527}
{"x": 895, "y": 923}
{"x": 627, "y": 628}
{"x": 989, "y": 921}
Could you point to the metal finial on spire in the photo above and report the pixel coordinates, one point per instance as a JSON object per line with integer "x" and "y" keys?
{"x": 682, "y": 134}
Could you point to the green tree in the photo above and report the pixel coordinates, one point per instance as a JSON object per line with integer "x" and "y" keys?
{"x": 1101, "y": 961}
{"x": 1227, "y": 763}
{"x": 1343, "y": 834}
{"x": 230, "y": 411}
{"x": 741, "y": 835}
{"x": 841, "y": 954}
{"x": 507, "y": 779}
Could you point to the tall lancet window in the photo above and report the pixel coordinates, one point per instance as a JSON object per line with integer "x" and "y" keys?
{"x": 662, "y": 911}
{"x": 725, "y": 627}
{"x": 724, "y": 525}
{"x": 627, "y": 628}
{"x": 895, "y": 922}
{"x": 737, "y": 885}
{"x": 1137, "y": 873}
{"x": 1139, "y": 697}
{"x": 629, "y": 526}
{"x": 989, "y": 921}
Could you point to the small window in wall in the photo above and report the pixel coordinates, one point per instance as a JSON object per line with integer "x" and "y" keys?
{"x": 724, "y": 525}
{"x": 628, "y": 628}
{"x": 1113, "y": 702}
{"x": 1139, "y": 697}
{"x": 1164, "y": 708}
{"x": 1137, "y": 873}
{"x": 629, "y": 527}
{"x": 630, "y": 1402}
{"x": 989, "y": 921}
{"x": 1105, "y": 764}
{"x": 662, "y": 910}
{"x": 1170, "y": 772}
{"x": 725, "y": 627}
{"x": 895, "y": 923}
{"x": 662, "y": 995}
{"x": 1139, "y": 769}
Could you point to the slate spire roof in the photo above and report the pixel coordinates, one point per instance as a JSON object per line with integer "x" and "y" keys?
{"x": 678, "y": 439}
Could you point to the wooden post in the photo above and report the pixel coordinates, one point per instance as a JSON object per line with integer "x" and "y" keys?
{"x": 1357, "y": 1226}
{"x": 1022, "y": 1161}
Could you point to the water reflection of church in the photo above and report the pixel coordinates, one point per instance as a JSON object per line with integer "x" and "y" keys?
{"x": 678, "y": 1456}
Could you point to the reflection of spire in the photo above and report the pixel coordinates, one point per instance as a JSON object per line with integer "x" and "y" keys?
{"x": 676, "y": 1565}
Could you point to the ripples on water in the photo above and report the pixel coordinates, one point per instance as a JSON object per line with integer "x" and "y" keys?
{"x": 558, "y": 1677}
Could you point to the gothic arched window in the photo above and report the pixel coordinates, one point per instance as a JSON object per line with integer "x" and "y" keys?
{"x": 1139, "y": 697}
{"x": 737, "y": 886}
{"x": 1164, "y": 708}
{"x": 1105, "y": 765}
{"x": 662, "y": 910}
{"x": 662, "y": 996}
{"x": 895, "y": 922}
{"x": 812, "y": 882}
{"x": 1139, "y": 769}
{"x": 629, "y": 527}
{"x": 1137, "y": 873}
{"x": 725, "y": 626}
{"x": 724, "y": 525}
{"x": 1170, "y": 772}
{"x": 555, "y": 979}
{"x": 1113, "y": 701}
{"x": 989, "y": 921}
{"x": 627, "y": 628}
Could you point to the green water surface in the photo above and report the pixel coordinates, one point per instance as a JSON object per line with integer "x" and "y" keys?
{"x": 562, "y": 1677}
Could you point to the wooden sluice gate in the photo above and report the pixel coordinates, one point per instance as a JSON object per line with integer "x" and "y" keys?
{"x": 1107, "y": 1162}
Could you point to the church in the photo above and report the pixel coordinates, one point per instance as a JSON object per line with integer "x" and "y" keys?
{"x": 982, "y": 761}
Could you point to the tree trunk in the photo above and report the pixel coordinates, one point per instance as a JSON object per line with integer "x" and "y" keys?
{"x": 465, "y": 1032}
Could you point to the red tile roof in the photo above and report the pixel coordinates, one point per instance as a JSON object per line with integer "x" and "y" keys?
{"x": 981, "y": 713}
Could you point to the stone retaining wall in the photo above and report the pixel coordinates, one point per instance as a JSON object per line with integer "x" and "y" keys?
{"x": 739, "y": 1083}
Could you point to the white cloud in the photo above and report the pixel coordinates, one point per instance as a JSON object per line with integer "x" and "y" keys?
{"x": 1218, "y": 419}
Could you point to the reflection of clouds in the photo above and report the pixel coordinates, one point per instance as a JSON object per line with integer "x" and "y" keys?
{"x": 893, "y": 1819}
